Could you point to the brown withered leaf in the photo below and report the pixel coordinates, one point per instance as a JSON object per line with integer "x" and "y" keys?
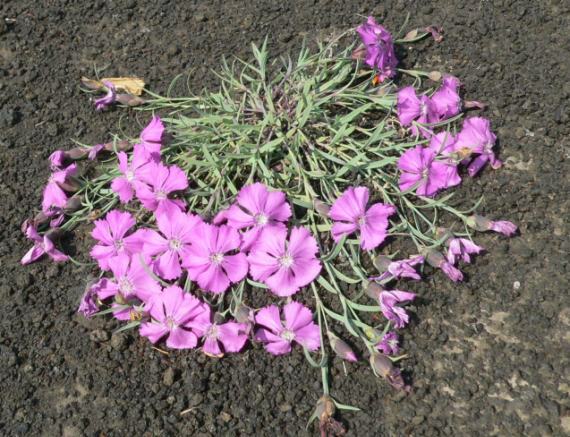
{"x": 131, "y": 85}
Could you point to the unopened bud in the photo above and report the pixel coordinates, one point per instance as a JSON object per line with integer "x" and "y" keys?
{"x": 434, "y": 258}
{"x": 341, "y": 348}
{"x": 243, "y": 314}
{"x": 443, "y": 234}
{"x": 120, "y": 146}
{"x": 325, "y": 408}
{"x": 321, "y": 207}
{"x": 130, "y": 100}
{"x": 473, "y": 104}
{"x": 359, "y": 53}
{"x": 383, "y": 367}
{"x": 478, "y": 222}
{"x": 72, "y": 204}
{"x": 411, "y": 35}
{"x": 435, "y": 76}
{"x": 373, "y": 290}
{"x": 77, "y": 153}
{"x": 382, "y": 262}
{"x": 70, "y": 184}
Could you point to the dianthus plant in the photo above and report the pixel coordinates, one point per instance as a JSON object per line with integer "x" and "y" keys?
{"x": 320, "y": 180}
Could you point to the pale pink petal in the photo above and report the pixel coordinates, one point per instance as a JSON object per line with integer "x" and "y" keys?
{"x": 119, "y": 223}
{"x": 302, "y": 244}
{"x": 306, "y": 270}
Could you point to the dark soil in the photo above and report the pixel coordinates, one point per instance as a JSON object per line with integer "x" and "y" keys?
{"x": 487, "y": 357}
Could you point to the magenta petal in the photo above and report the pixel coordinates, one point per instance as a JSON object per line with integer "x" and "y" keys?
{"x": 181, "y": 339}
{"x": 282, "y": 283}
{"x": 309, "y": 336}
{"x": 236, "y": 266}
{"x": 296, "y": 316}
{"x": 340, "y": 229}
{"x": 153, "y": 331}
{"x": 278, "y": 348}
{"x": 214, "y": 279}
{"x": 270, "y": 318}
{"x": 168, "y": 265}
{"x": 32, "y": 255}
{"x": 232, "y": 336}
{"x": 211, "y": 347}
{"x": 122, "y": 187}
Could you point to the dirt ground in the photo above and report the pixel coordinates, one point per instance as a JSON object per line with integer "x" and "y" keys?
{"x": 489, "y": 356}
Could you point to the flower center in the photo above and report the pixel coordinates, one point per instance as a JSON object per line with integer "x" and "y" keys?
{"x": 175, "y": 244}
{"x": 423, "y": 109}
{"x": 126, "y": 287}
{"x": 361, "y": 220}
{"x": 261, "y": 219}
{"x": 288, "y": 335}
{"x": 213, "y": 332}
{"x": 119, "y": 244}
{"x": 286, "y": 260}
{"x": 217, "y": 258}
{"x": 171, "y": 323}
{"x": 160, "y": 195}
{"x": 130, "y": 175}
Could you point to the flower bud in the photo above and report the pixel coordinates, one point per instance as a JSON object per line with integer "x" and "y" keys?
{"x": 478, "y": 222}
{"x": 373, "y": 290}
{"x": 435, "y": 76}
{"x": 71, "y": 185}
{"x": 72, "y": 204}
{"x": 130, "y": 100}
{"x": 321, "y": 207}
{"x": 77, "y": 153}
{"x": 383, "y": 366}
{"x": 341, "y": 348}
{"x": 474, "y": 104}
{"x": 443, "y": 234}
{"x": 434, "y": 258}
{"x": 504, "y": 227}
{"x": 120, "y": 146}
{"x": 325, "y": 407}
{"x": 243, "y": 314}
{"x": 382, "y": 262}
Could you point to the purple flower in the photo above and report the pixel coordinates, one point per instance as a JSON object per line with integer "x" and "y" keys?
{"x": 111, "y": 233}
{"x": 461, "y": 248}
{"x": 57, "y": 160}
{"x": 42, "y": 245}
{"x": 220, "y": 338}
{"x": 411, "y": 108}
{"x": 476, "y": 137}
{"x": 446, "y": 99}
{"x": 437, "y": 260}
{"x": 443, "y": 145}
{"x": 151, "y": 137}
{"x": 172, "y": 244}
{"x": 126, "y": 185}
{"x": 389, "y": 344}
{"x": 396, "y": 314}
{"x": 379, "y": 48}
{"x": 285, "y": 266}
{"x": 298, "y": 327}
{"x": 108, "y": 99}
{"x": 419, "y": 169}
{"x": 349, "y": 214}
{"x": 88, "y": 306}
{"x": 54, "y": 195}
{"x": 397, "y": 269}
{"x": 209, "y": 260}
{"x": 257, "y": 209}
{"x": 172, "y": 313}
{"x": 162, "y": 181}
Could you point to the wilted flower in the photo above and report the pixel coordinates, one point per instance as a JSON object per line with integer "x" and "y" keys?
{"x": 446, "y": 99}
{"x": 413, "y": 108}
{"x": 350, "y": 214}
{"x": 298, "y": 327}
{"x": 111, "y": 233}
{"x": 341, "y": 348}
{"x": 285, "y": 266}
{"x": 476, "y": 137}
{"x": 88, "y": 306}
{"x": 209, "y": 258}
{"x": 397, "y": 269}
{"x": 437, "y": 260}
{"x": 482, "y": 224}
{"x": 379, "y": 48}
{"x": 42, "y": 245}
{"x": 94, "y": 151}
{"x": 328, "y": 426}
{"x": 54, "y": 194}
{"x": 461, "y": 248}
{"x": 396, "y": 314}
{"x": 257, "y": 209}
{"x": 382, "y": 366}
{"x": 172, "y": 244}
{"x": 389, "y": 344}
{"x": 160, "y": 181}
{"x": 57, "y": 159}
{"x": 108, "y": 99}
{"x": 126, "y": 185}
{"x": 420, "y": 169}
{"x": 151, "y": 137}
{"x": 172, "y": 312}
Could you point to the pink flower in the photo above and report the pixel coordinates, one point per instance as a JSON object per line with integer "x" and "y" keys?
{"x": 379, "y": 48}
{"x": 88, "y": 305}
{"x": 411, "y": 108}
{"x": 349, "y": 214}
{"x": 57, "y": 160}
{"x": 220, "y": 338}
{"x": 443, "y": 145}
{"x": 209, "y": 260}
{"x": 126, "y": 185}
{"x": 94, "y": 151}
{"x": 108, "y": 99}
{"x": 54, "y": 195}
{"x": 446, "y": 99}
{"x": 476, "y": 137}
{"x": 298, "y": 327}
{"x": 389, "y": 344}
{"x": 173, "y": 311}
{"x": 397, "y": 269}
{"x": 151, "y": 137}
{"x": 396, "y": 314}
{"x": 257, "y": 209}
{"x": 483, "y": 224}
{"x": 461, "y": 248}
{"x": 111, "y": 233}
{"x": 162, "y": 181}
{"x": 42, "y": 245}
{"x": 437, "y": 260}
{"x": 504, "y": 227}
{"x": 285, "y": 266}
{"x": 174, "y": 243}
{"x": 419, "y": 169}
